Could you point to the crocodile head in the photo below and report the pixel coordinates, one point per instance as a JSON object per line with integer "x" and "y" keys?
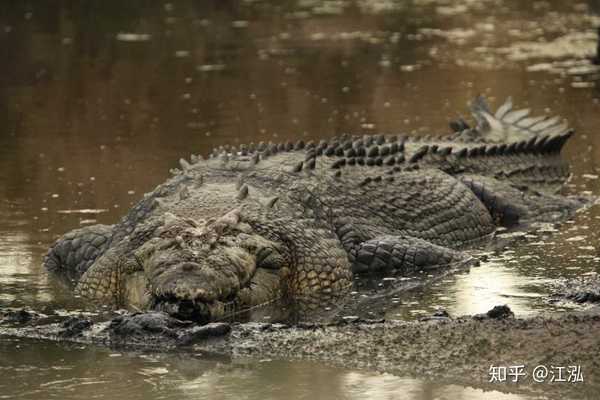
{"x": 200, "y": 270}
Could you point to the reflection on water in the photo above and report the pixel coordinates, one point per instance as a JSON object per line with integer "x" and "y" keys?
{"x": 487, "y": 286}
{"x": 49, "y": 370}
{"x": 99, "y": 99}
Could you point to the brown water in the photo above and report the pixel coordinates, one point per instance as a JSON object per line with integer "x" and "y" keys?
{"x": 99, "y": 99}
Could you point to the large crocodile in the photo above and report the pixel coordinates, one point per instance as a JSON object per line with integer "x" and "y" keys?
{"x": 297, "y": 220}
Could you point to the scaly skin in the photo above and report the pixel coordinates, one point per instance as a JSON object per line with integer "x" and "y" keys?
{"x": 247, "y": 227}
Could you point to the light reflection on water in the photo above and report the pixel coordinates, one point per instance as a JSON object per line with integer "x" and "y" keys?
{"x": 76, "y": 372}
{"x": 488, "y": 286}
{"x": 101, "y": 99}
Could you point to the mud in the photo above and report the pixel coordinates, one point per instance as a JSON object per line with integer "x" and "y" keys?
{"x": 584, "y": 289}
{"x": 461, "y": 350}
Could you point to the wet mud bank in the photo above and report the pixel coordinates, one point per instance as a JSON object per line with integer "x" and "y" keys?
{"x": 462, "y": 350}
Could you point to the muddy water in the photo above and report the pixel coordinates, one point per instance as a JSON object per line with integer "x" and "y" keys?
{"x": 99, "y": 99}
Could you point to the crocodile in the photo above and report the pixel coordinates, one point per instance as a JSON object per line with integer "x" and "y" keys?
{"x": 251, "y": 225}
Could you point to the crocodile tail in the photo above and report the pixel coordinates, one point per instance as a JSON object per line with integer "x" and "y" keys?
{"x": 508, "y": 125}
{"x": 510, "y": 145}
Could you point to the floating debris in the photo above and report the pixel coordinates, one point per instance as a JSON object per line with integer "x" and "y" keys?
{"x": 584, "y": 70}
{"x": 210, "y": 67}
{"x": 240, "y": 24}
{"x": 509, "y": 235}
{"x": 409, "y": 68}
{"x": 451, "y": 10}
{"x": 576, "y": 238}
{"x": 83, "y": 211}
{"x": 577, "y": 45}
{"x": 590, "y": 248}
{"x": 182, "y": 54}
{"x": 547, "y": 228}
{"x": 375, "y": 37}
{"x": 549, "y": 67}
{"x": 133, "y": 37}
{"x": 457, "y": 35}
{"x": 582, "y": 85}
{"x": 153, "y": 371}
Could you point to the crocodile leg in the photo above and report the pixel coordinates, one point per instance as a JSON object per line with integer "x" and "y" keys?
{"x": 316, "y": 264}
{"x": 511, "y": 205}
{"x": 403, "y": 253}
{"x": 104, "y": 281}
{"x": 76, "y": 251}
